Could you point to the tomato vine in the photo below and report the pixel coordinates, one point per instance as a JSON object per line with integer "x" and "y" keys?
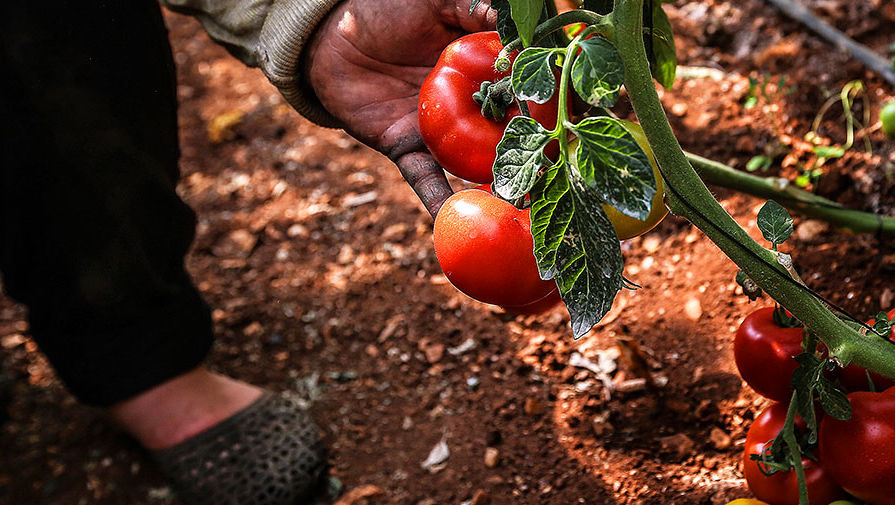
{"x": 573, "y": 239}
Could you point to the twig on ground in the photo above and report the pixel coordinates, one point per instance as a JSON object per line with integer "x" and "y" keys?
{"x": 870, "y": 59}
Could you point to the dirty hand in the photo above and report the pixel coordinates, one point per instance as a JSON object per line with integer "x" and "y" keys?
{"x": 366, "y": 63}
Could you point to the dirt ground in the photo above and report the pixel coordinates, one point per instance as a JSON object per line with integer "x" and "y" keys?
{"x": 318, "y": 262}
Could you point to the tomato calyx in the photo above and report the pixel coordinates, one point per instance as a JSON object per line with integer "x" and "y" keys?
{"x": 776, "y": 457}
{"x": 495, "y": 98}
{"x": 784, "y": 319}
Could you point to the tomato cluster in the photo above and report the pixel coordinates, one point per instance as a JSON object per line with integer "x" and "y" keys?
{"x": 452, "y": 125}
{"x": 855, "y": 456}
{"x": 484, "y": 244}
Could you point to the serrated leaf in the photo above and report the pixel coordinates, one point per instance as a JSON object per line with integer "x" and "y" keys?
{"x": 598, "y": 73}
{"x": 774, "y": 222}
{"x": 551, "y": 215}
{"x": 664, "y": 66}
{"x": 833, "y": 400}
{"x": 882, "y": 325}
{"x": 805, "y": 375}
{"x": 520, "y": 155}
{"x": 576, "y": 244}
{"x": 526, "y": 14}
{"x": 612, "y": 164}
{"x": 506, "y": 28}
{"x": 533, "y": 78}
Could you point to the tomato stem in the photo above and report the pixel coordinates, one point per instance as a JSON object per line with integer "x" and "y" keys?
{"x": 783, "y": 192}
{"x": 795, "y": 452}
{"x": 603, "y": 25}
{"x": 689, "y": 197}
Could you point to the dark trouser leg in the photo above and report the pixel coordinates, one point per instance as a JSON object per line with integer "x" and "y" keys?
{"x": 92, "y": 234}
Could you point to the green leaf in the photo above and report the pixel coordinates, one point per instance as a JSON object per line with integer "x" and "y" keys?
{"x": 664, "y": 67}
{"x": 805, "y": 409}
{"x": 829, "y": 151}
{"x": 533, "y": 78}
{"x": 576, "y": 244}
{"x": 598, "y": 6}
{"x": 598, "y": 73}
{"x": 526, "y": 14}
{"x": 520, "y": 155}
{"x": 833, "y": 400}
{"x": 805, "y": 375}
{"x": 774, "y": 222}
{"x": 614, "y": 166}
{"x": 551, "y": 216}
{"x": 506, "y": 28}
{"x": 882, "y": 325}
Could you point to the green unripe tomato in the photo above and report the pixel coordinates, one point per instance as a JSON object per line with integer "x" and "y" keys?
{"x": 887, "y": 118}
{"x": 625, "y": 226}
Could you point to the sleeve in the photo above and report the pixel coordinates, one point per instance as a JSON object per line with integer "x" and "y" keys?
{"x": 269, "y": 34}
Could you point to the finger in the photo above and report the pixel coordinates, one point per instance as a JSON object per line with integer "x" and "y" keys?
{"x": 484, "y": 17}
{"x": 426, "y": 177}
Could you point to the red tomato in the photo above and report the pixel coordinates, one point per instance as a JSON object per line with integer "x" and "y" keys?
{"x": 764, "y": 351}
{"x": 859, "y": 454}
{"x": 460, "y": 138}
{"x": 854, "y": 378}
{"x": 485, "y": 249}
{"x": 783, "y": 488}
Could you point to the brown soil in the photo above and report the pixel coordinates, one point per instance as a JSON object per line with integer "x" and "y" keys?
{"x": 318, "y": 261}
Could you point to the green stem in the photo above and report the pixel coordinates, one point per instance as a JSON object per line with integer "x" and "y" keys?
{"x": 602, "y": 23}
{"x": 562, "y": 114}
{"x": 783, "y": 192}
{"x": 689, "y": 197}
{"x": 789, "y": 436}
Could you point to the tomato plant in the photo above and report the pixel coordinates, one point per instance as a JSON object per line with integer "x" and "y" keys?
{"x": 859, "y": 453}
{"x": 453, "y": 124}
{"x": 887, "y": 118}
{"x": 782, "y": 488}
{"x": 626, "y": 226}
{"x": 484, "y": 247}
{"x": 854, "y": 378}
{"x": 764, "y": 350}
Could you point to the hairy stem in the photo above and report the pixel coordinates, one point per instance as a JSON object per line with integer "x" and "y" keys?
{"x": 689, "y": 197}
{"x": 796, "y": 199}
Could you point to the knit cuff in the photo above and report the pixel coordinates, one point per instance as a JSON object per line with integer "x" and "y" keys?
{"x": 287, "y": 28}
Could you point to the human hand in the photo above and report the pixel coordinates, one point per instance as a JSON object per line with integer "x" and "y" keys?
{"x": 366, "y": 63}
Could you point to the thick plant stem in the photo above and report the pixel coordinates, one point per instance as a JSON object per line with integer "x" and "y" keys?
{"x": 689, "y": 197}
{"x": 793, "y": 198}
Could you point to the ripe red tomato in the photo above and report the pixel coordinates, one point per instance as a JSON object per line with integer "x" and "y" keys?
{"x": 854, "y": 378}
{"x": 460, "y": 138}
{"x": 859, "y": 454}
{"x": 783, "y": 488}
{"x": 485, "y": 249}
{"x": 764, "y": 351}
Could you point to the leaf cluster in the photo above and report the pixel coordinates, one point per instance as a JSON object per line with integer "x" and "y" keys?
{"x": 574, "y": 240}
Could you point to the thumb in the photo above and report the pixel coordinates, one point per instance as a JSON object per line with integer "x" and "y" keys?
{"x": 482, "y": 18}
